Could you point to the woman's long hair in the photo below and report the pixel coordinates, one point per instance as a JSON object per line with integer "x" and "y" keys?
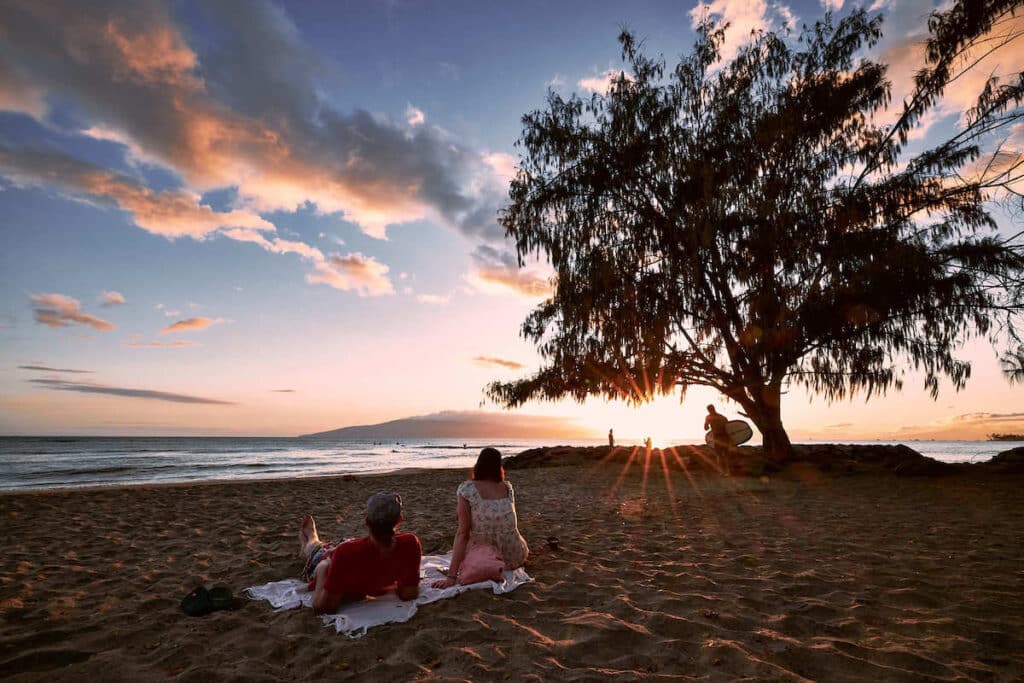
{"x": 488, "y": 466}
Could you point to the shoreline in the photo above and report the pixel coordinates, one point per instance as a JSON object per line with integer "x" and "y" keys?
{"x": 830, "y": 456}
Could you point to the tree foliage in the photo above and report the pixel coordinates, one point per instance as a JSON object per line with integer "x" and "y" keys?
{"x": 756, "y": 224}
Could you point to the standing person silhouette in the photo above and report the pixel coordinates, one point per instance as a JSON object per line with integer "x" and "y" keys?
{"x": 720, "y": 442}
{"x": 611, "y": 438}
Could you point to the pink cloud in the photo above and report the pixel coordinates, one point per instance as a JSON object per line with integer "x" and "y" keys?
{"x": 602, "y": 82}
{"x": 171, "y": 213}
{"x": 111, "y": 299}
{"x": 133, "y": 72}
{"x": 491, "y": 362}
{"x": 57, "y": 310}
{"x": 354, "y": 271}
{"x": 414, "y": 116}
{"x": 503, "y": 278}
{"x": 191, "y": 324}
{"x": 743, "y": 16}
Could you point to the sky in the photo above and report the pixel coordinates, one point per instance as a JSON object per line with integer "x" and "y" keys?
{"x": 264, "y": 218}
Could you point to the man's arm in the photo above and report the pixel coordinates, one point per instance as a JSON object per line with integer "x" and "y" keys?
{"x": 408, "y": 592}
{"x": 324, "y": 601}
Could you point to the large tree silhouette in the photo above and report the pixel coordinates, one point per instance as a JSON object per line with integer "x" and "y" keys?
{"x": 753, "y": 225}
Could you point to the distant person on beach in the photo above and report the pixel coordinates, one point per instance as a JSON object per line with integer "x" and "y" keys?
{"x": 488, "y": 538}
{"x": 374, "y": 564}
{"x": 720, "y": 441}
{"x": 611, "y": 438}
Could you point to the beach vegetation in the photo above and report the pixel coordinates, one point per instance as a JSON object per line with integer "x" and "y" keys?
{"x": 771, "y": 221}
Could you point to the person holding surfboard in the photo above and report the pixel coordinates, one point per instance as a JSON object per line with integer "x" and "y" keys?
{"x": 720, "y": 441}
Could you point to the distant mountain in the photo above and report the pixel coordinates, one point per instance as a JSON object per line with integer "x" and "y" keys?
{"x": 463, "y": 425}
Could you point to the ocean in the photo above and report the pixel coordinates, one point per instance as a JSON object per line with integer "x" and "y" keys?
{"x": 38, "y": 463}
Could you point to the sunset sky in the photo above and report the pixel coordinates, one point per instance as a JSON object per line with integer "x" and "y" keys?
{"x": 276, "y": 218}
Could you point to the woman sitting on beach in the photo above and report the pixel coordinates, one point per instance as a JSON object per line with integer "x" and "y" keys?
{"x": 374, "y": 564}
{"x": 488, "y": 538}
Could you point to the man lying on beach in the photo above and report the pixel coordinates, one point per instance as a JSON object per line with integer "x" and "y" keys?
{"x": 374, "y": 564}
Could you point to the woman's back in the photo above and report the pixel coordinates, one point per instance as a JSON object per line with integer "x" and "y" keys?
{"x": 493, "y": 511}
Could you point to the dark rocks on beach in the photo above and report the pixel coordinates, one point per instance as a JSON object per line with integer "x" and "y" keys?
{"x": 1011, "y": 460}
{"x": 750, "y": 460}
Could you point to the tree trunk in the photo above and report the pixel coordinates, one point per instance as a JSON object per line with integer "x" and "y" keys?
{"x": 767, "y": 416}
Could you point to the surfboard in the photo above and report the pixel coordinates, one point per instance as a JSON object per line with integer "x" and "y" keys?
{"x": 738, "y": 430}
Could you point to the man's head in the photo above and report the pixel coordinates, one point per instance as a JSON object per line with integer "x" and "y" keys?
{"x": 711, "y": 409}
{"x": 383, "y": 513}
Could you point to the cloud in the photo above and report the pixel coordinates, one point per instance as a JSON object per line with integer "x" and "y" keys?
{"x": 354, "y": 271}
{"x": 833, "y": 5}
{"x": 743, "y": 17}
{"x": 436, "y": 299}
{"x": 902, "y": 49}
{"x": 246, "y": 114}
{"x": 602, "y": 82}
{"x": 158, "y": 345}
{"x": 498, "y": 271}
{"x": 282, "y": 391}
{"x": 988, "y": 417}
{"x": 18, "y": 94}
{"x": 191, "y": 324}
{"x": 555, "y": 82}
{"x": 44, "y": 368}
{"x": 489, "y": 362}
{"x": 171, "y": 213}
{"x": 414, "y": 116}
{"x": 57, "y": 310}
{"x": 111, "y": 299}
{"x": 61, "y": 385}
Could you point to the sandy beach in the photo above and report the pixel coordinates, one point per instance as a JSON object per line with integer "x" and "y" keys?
{"x": 823, "y": 577}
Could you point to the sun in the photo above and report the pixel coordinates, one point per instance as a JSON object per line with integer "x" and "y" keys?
{"x": 665, "y": 420}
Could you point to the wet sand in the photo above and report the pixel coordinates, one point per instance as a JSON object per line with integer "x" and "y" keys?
{"x": 821, "y": 577}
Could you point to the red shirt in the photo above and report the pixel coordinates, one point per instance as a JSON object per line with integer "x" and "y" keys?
{"x": 359, "y": 566}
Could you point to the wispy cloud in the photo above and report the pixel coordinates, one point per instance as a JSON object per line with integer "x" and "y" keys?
{"x": 282, "y": 391}
{"x": 45, "y": 368}
{"x": 111, "y": 299}
{"x": 555, "y": 82}
{"x": 190, "y": 324}
{"x": 491, "y": 362}
{"x": 158, "y": 345}
{"x": 435, "y": 299}
{"x": 57, "y": 310}
{"x": 148, "y": 394}
{"x": 988, "y": 417}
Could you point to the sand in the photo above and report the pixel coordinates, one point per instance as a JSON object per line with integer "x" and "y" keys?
{"x": 866, "y": 577}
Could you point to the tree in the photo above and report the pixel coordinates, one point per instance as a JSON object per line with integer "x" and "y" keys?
{"x": 753, "y": 225}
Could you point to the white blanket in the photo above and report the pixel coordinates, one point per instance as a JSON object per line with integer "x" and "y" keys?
{"x": 354, "y": 619}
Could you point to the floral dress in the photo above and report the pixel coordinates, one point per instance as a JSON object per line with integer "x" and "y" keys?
{"x": 494, "y": 522}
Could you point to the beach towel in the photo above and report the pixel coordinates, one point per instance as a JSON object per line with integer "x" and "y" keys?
{"x": 356, "y": 618}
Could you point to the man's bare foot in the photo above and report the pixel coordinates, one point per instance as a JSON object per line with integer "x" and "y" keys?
{"x": 307, "y": 533}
